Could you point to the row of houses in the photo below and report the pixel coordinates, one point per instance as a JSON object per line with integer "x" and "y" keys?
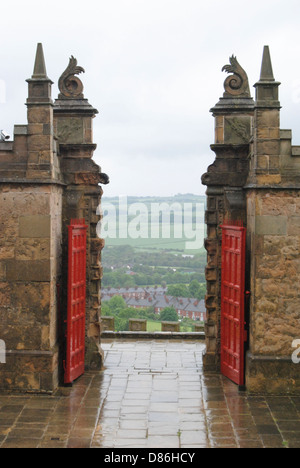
{"x": 185, "y": 307}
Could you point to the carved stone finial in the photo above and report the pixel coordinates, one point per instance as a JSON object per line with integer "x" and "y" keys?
{"x": 69, "y": 85}
{"x": 236, "y": 84}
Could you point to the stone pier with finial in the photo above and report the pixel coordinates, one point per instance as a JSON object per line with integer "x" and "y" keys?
{"x": 73, "y": 125}
{"x": 226, "y": 199}
{"x": 254, "y": 181}
{"x": 47, "y": 177}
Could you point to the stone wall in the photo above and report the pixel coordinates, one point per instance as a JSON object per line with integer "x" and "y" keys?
{"x": 29, "y": 270}
{"x": 276, "y": 236}
{"x": 274, "y": 227}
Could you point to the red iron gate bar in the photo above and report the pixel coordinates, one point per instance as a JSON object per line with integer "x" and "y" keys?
{"x": 75, "y": 352}
{"x": 233, "y": 302}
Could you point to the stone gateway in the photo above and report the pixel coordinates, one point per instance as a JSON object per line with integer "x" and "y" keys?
{"x": 48, "y": 177}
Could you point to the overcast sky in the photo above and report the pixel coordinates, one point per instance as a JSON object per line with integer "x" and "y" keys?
{"x": 153, "y": 70}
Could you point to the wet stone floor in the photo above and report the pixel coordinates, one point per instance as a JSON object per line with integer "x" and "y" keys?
{"x": 151, "y": 394}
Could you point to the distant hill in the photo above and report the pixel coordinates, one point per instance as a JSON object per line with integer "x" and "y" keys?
{"x": 180, "y": 197}
{"x": 174, "y": 223}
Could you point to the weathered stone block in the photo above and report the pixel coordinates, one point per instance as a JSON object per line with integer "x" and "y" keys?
{"x": 219, "y": 135}
{"x": 269, "y": 118}
{"x": 94, "y": 330}
{"x": 271, "y": 375}
{"x": 199, "y": 327}
{"x": 269, "y": 179}
{"x": 210, "y": 329}
{"x": 137, "y": 325}
{"x": 34, "y": 297}
{"x": 107, "y": 323}
{"x": 271, "y": 225}
{"x": 70, "y": 130}
{"x": 237, "y": 130}
{"x": 268, "y": 133}
{"x": 32, "y": 249}
{"x": 211, "y": 203}
{"x": 40, "y": 143}
{"x": 97, "y": 244}
{"x": 170, "y": 326}
{"x": 2, "y": 271}
{"x": 34, "y": 226}
{"x": 211, "y": 217}
{"x": 5, "y": 292}
{"x": 294, "y": 226}
{"x": 211, "y": 345}
{"x": 263, "y": 162}
{"x": 35, "y": 129}
{"x": 211, "y": 274}
{"x": 39, "y": 114}
{"x": 211, "y": 245}
{"x": 7, "y": 250}
{"x": 211, "y": 301}
{"x": 27, "y": 338}
{"x": 30, "y": 270}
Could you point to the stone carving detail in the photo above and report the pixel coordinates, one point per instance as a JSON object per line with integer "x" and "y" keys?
{"x": 70, "y": 131}
{"x": 237, "y": 130}
{"x": 69, "y": 85}
{"x": 236, "y": 84}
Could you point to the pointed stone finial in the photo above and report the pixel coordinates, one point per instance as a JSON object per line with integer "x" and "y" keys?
{"x": 39, "y": 85}
{"x": 266, "y": 73}
{"x": 39, "y": 71}
{"x": 267, "y": 93}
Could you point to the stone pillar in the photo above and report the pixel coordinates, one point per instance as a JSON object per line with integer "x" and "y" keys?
{"x": 47, "y": 177}
{"x": 225, "y": 180}
{"x": 42, "y": 160}
{"x": 73, "y": 116}
{"x": 30, "y": 245}
{"x": 273, "y": 210}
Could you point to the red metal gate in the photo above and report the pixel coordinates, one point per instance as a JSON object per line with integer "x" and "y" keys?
{"x": 233, "y": 333}
{"x": 75, "y": 352}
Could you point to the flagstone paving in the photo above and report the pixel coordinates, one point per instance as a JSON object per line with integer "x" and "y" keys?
{"x": 151, "y": 394}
